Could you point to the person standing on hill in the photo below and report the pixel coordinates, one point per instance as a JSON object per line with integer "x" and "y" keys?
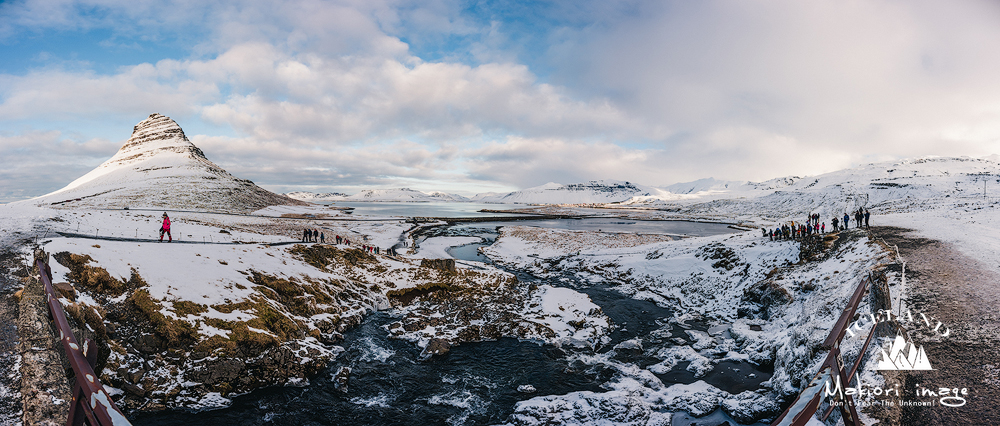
{"x": 165, "y": 228}
{"x": 868, "y": 214}
{"x": 847, "y": 221}
{"x": 322, "y": 238}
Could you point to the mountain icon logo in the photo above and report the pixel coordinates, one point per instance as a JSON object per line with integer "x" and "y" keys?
{"x": 904, "y": 355}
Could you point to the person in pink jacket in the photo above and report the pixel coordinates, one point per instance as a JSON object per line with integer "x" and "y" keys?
{"x": 165, "y": 228}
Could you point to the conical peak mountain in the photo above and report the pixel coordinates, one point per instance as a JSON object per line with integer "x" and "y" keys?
{"x": 157, "y": 127}
{"x": 157, "y": 134}
{"x": 159, "y": 167}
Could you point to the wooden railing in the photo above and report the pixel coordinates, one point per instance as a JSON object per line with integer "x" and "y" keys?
{"x": 808, "y": 401}
{"x": 91, "y": 403}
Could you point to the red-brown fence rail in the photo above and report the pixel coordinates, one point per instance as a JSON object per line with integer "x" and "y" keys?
{"x": 91, "y": 403}
{"x": 808, "y": 401}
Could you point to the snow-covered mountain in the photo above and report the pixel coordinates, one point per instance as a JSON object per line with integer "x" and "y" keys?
{"x": 159, "y": 167}
{"x": 593, "y": 192}
{"x": 702, "y": 185}
{"x": 884, "y": 186}
{"x": 314, "y": 196}
{"x": 403, "y": 194}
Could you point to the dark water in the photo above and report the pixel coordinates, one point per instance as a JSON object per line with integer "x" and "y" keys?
{"x": 678, "y": 227}
{"x": 487, "y": 231}
{"x": 475, "y": 383}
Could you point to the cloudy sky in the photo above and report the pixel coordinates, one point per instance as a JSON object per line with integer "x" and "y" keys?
{"x": 475, "y": 96}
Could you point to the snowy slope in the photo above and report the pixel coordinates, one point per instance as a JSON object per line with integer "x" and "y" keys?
{"x": 159, "y": 167}
{"x": 403, "y": 194}
{"x": 884, "y": 187}
{"x": 597, "y": 191}
{"x": 702, "y": 185}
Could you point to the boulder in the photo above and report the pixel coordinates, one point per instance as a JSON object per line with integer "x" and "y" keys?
{"x": 435, "y": 347}
{"x": 66, "y": 289}
{"x": 341, "y": 379}
{"x": 446, "y": 265}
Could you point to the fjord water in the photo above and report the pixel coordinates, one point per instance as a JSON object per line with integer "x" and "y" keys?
{"x": 425, "y": 209}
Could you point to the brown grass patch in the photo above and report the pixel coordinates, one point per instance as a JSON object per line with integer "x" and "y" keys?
{"x": 176, "y": 333}
{"x": 95, "y": 278}
{"x": 184, "y": 308}
{"x": 322, "y": 255}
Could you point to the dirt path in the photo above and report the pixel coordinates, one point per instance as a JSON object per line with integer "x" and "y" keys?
{"x": 10, "y": 386}
{"x": 963, "y": 294}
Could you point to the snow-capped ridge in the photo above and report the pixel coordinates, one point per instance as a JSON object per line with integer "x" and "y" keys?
{"x": 403, "y": 194}
{"x": 882, "y": 185}
{"x": 592, "y": 192}
{"x": 314, "y": 196}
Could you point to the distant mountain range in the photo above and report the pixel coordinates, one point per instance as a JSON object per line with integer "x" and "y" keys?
{"x": 313, "y": 196}
{"x": 385, "y": 195}
{"x": 839, "y": 191}
{"x": 158, "y": 167}
{"x": 593, "y": 192}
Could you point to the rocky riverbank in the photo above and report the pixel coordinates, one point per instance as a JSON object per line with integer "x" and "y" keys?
{"x": 769, "y": 304}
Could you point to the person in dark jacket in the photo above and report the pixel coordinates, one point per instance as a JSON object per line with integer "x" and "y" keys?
{"x": 868, "y": 215}
{"x": 847, "y": 220}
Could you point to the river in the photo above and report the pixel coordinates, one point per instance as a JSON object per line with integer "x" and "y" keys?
{"x": 475, "y": 383}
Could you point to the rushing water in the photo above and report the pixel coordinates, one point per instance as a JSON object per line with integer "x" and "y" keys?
{"x": 475, "y": 383}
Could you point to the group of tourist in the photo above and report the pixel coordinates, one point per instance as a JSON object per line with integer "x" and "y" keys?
{"x": 812, "y": 226}
{"x": 314, "y": 236}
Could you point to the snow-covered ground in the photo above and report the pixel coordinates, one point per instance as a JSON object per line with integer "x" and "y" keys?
{"x": 224, "y": 270}
{"x": 737, "y": 298}
{"x": 719, "y": 280}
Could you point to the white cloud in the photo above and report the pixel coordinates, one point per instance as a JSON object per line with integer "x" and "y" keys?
{"x": 898, "y": 78}
{"x": 37, "y": 162}
{"x": 532, "y": 161}
{"x": 328, "y": 93}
